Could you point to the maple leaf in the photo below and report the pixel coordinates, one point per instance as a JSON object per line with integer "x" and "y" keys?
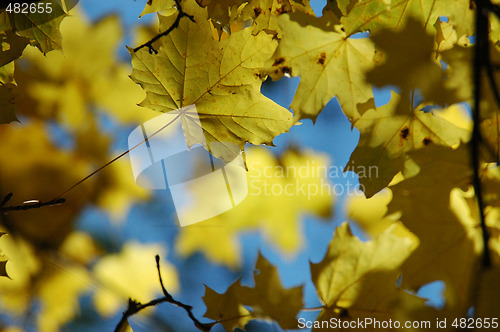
{"x": 408, "y": 63}
{"x": 273, "y": 183}
{"x": 450, "y": 240}
{"x": 12, "y": 46}
{"x": 329, "y": 64}
{"x": 268, "y": 296}
{"x": 374, "y": 15}
{"x": 222, "y": 12}
{"x": 488, "y": 300}
{"x": 157, "y": 6}
{"x": 386, "y": 137}
{"x": 224, "y": 85}
{"x": 42, "y": 29}
{"x": 226, "y": 308}
{"x": 357, "y": 279}
{"x": 490, "y": 129}
{"x": 446, "y": 36}
{"x": 264, "y": 13}
{"x": 370, "y": 213}
{"x": 7, "y": 97}
{"x": 461, "y": 15}
{"x": 268, "y": 300}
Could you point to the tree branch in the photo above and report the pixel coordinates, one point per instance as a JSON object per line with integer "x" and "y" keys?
{"x": 174, "y": 25}
{"x": 134, "y": 306}
{"x": 28, "y": 205}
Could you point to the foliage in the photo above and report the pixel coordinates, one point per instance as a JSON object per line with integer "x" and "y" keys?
{"x": 430, "y": 213}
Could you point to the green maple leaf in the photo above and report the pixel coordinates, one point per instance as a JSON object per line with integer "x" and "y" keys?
{"x": 223, "y": 84}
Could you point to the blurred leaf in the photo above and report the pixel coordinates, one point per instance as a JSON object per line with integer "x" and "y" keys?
{"x": 131, "y": 274}
{"x": 278, "y": 196}
{"x": 125, "y": 328}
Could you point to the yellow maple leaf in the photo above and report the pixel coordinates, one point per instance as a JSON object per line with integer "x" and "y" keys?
{"x": 42, "y": 29}
{"x": 386, "y": 138}
{"x": 409, "y": 63}
{"x": 224, "y": 85}
{"x": 227, "y": 308}
{"x": 357, "y": 279}
{"x": 268, "y": 299}
{"x": 450, "y": 240}
{"x": 279, "y": 192}
{"x": 157, "y": 6}
{"x": 329, "y": 64}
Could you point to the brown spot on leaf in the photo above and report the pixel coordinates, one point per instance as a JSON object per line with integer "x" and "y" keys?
{"x": 286, "y": 70}
{"x": 278, "y": 61}
{"x": 150, "y": 2}
{"x": 280, "y": 10}
{"x": 257, "y": 11}
{"x": 405, "y": 132}
{"x": 427, "y": 141}
{"x": 322, "y": 58}
{"x": 344, "y": 313}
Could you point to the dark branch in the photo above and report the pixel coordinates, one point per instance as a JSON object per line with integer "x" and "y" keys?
{"x": 188, "y": 308}
{"x": 174, "y": 25}
{"x": 6, "y": 199}
{"x": 134, "y": 306}
{"x": 27, "y": 205}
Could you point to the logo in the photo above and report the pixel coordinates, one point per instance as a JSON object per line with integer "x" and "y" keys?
{"x": 170, "y": 151}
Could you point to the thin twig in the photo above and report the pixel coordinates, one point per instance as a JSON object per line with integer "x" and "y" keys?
{"x": 134, "y": 306}
{"x": 6, "y": 199}
{"x": 28, "y": 205}
{"x": 174, "y": 25}
{"x": 122, "y": 154}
